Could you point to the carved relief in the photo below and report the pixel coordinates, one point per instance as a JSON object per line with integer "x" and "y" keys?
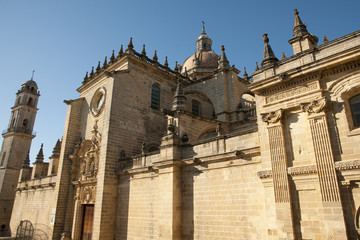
{"x": 85, "y": 158}
{"x": 347, "y": 165}
{"x": 303, "y": 170}
{"x": 290, "y": 93}
{"x": 86, "y": 194}
{"x": 264, "y": 174}
{"x": 272, "y": 117}
{"x": 315, "y": 106}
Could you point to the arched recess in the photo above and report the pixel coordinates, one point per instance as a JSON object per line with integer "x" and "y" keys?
{"x": 341, "y": 91}
{"x": 247, "y": 105}
{"x": 152, "y": 147}
{"x": 206, "y": 133}
{"x": 25, "y": 124}
{"x": 206, "y": 107}
{"x": 30, "y": 102}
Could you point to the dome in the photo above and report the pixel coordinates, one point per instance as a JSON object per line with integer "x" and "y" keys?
{"x": 206, "y": 59}
{"x": 30, "y": 83}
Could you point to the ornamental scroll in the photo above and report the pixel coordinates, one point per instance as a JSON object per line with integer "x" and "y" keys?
{"x": 272, "y": 117}
{"x": 315, "y": 106}
{"x": 85, "y": 158}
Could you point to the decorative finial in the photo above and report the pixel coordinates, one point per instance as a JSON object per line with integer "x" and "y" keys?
{"x": 269, "y": 57}
{"x": 266, "y": 39}
{"x": 203, "y": 27}
{"x": 32, "y": 76}
{"x": 92, "y": 72}
{"x": 223, "y": 62}
{"x": 166, "y": 64}
{"x": 130, "y": 45}
{"x": 40, "y": 155}
{"x": 155, "y": 58}
{"x": 245, "y": 74}
{"x": 105, "y": 63}
{"x": 325, "y": 39}
{"x": 143, "y": 52}
{"x": 176, "y": 69}
{"x": 26, "y": 163}
{"x": 98, "y": 67}
{"x": 121, "y": 51}
{"x": 186, "y": 74}
{"x": 112, "y": 58}
{"x": 256, "y": 67}
{"x": 283, "y": 56}
{"x": 296, "y": 12}
{"x": 86, "y": 77}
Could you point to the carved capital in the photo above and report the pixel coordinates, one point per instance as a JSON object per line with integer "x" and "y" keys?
{"x": 272, "y": 117}
{"x": 315, "y": 106}
{"x": 265, "y": 174}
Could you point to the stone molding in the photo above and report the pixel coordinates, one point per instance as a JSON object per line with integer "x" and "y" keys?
{"x": 311, "y": 169}
{"x": 302, "y": 170}
{"x": 291, "y": 92}
{"x": 347, "y": 165}
{"x": 340, "y": 69}
{"x": 289, "y": 84}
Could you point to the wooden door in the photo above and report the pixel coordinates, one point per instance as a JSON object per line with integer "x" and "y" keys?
{"x": 87, "y": 222}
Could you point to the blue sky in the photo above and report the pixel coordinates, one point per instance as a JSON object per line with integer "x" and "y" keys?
{"x": 62, "y": 40}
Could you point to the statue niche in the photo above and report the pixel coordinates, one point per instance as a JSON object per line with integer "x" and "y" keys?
{"x": 85, "y": 158}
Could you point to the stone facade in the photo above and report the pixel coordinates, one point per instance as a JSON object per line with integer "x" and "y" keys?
{"x": 201, "y": 153}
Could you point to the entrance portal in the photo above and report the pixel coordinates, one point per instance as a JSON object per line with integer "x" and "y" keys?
{"x": 87, "y": 222}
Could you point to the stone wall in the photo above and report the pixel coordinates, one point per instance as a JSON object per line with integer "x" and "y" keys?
{"x": 33, "y": 202}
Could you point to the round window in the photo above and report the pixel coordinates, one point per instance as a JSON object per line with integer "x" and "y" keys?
{"x": 98, "y": 101}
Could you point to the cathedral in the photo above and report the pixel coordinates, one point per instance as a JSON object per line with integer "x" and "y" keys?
{"x": 196, "y": 152}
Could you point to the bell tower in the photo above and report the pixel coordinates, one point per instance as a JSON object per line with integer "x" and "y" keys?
{"x": 15, "y": 146}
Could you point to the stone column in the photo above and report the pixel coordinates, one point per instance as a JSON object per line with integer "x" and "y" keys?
{"x": 169, "y": 197}
{"x": 329, "y": 186}
{"x": 77, "y": 219}
{"x": 279, "y": 171}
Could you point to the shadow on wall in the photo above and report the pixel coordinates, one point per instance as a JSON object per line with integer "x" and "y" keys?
{"x": 41, "y": 231}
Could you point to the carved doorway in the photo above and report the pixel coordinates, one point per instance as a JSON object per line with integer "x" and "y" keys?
{"x": 87, "y": 222}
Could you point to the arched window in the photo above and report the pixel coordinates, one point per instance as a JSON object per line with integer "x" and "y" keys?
{"x": 25, "y": 124}
{"x": 155, "y": 97}
{"x": 354, "y": 103}
{"x": 195, "y": 107}
{"x": 30, "y": 102}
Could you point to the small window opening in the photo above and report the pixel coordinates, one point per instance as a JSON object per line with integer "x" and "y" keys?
{"x": 25, "y": 123}
{"x": 155, "y": 97}
{"x": 3, "y": 159}
{"x": 30, "y": 102}
{"x": 354, "y": 103}
{"x": 196, "y": 108}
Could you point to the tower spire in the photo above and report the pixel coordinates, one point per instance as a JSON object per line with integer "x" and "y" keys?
{"x": 203, "y": 42}
{"x": 303, "y": 40}
{"x": 299, "y": 28}
{"x": 32, "y": 76}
